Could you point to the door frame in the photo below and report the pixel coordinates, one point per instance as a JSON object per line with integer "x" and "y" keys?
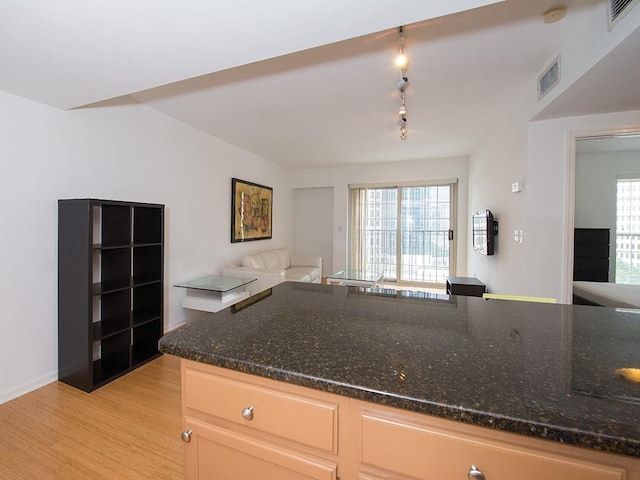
{"x": 570, "y": 195}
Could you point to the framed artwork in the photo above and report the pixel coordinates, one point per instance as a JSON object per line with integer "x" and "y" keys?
{"x": 251, "y": 211}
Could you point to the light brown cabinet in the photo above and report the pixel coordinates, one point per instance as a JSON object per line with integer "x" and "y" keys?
{"x": 258, "y": 429}
{"x": 239, "y": 426}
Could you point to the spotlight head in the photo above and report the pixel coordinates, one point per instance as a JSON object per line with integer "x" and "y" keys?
{"x": 402, "y": 83}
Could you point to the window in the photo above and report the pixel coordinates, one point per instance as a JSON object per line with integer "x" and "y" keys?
{"x": 628, "y": 231}
{"x": 403, "y": 231}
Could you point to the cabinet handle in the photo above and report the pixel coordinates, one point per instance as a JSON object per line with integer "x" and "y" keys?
{"x": 475, "y": 474}
{"x": 247, "y": 413}
{"x": 186, "y": 436}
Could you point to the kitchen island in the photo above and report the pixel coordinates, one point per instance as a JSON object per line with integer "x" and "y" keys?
{"x": 513, "y": 377}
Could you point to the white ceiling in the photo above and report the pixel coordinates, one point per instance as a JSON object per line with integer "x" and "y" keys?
{"x": 303, "y": 84}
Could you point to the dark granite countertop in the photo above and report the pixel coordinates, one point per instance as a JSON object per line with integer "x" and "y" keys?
{"x": 541, "y": 370}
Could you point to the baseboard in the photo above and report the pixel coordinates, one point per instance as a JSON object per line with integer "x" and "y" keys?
{"x": 27, "y": 387}
{"x": 53, "y": 377}
{"x": 174, "y": 325}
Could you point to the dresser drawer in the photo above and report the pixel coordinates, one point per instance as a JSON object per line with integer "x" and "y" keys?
{"x": 418, "y": 451}
{"x": 304, "y": 420}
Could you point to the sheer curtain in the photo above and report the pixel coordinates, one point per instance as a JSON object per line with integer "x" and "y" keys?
{"x": 374, "y": 230}
{"x": 358, "y": 234}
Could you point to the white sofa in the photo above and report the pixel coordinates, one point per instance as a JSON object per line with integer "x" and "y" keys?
{"x": 272, "y": 267}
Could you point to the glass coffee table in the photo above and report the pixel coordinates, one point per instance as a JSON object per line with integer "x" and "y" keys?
{"x": 356, "y": 278}
{"x": 213, "y": 293}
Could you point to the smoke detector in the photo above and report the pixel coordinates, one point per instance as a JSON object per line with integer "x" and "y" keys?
{"x": 554, "y": 14}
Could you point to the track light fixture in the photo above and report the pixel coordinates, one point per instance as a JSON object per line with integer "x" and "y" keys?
{"x": 402, "y": 62}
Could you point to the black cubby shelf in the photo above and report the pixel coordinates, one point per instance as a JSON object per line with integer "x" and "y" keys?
{"x": 110, "y": 288}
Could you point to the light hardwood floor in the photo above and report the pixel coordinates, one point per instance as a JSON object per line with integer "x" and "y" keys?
{"x": 128, "y": 429}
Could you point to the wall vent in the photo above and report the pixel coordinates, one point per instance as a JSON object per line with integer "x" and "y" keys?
{"x": 549, "y": 78}
{"x": 618, "y": 9}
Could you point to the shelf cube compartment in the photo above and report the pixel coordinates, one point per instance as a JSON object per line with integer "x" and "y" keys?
{"x": 144, "y": 343}
{"x": 147, "y": 264}
{"x": 147, "y": 303}
{"x": 116, "y": 225}
{"x": 114, "y": 358}
{"x": 148, "y": 225}
{"x": 115, "y": 269}
{"x": 114, "y": 314}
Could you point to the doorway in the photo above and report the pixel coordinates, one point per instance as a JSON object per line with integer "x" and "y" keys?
{"x": 603, "y": 165}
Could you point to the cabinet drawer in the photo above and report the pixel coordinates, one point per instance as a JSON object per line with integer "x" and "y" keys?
{"x": 419, "y": 451}
{"x": 310, "y": 422}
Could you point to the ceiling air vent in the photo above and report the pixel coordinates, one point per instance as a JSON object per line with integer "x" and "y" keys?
{"x": 549, "y": 78}
{"x": 618, "y": 9}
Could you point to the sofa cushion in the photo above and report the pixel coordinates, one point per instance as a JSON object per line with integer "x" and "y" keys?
{"x": 271, "y": 260}
{"x": 253, "y": 261}
{"x": 303, "y": 274}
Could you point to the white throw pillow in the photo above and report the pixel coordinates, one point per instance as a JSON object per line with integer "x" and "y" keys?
{"x": 284, "y": 257}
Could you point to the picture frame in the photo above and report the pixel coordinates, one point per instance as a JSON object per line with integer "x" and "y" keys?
{"x": 251, "y": 211}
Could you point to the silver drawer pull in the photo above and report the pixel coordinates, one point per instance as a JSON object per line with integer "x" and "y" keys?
{"x": 475, "y": 474}
{"x": 247, "y": 413}
{"x": 186, "y": 436}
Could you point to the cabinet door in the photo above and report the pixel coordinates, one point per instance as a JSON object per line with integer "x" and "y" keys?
{"x": 215, "y": 453}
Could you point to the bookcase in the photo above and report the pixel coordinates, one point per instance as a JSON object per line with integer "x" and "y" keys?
{"x": 110, "y": 288}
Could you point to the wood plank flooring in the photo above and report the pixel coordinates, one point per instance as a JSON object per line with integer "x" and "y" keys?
{"x": 128, "y": 429}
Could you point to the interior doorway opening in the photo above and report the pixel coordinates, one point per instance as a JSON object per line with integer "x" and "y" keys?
{"x": 604, "y": 169}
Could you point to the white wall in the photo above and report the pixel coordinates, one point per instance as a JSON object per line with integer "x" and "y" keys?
{"x": 341, "y": 177}
{"x": 550, "y": 204}
{"x": 596, "y": 185}
{"x": 126, "y": 152}
{"x": 495, "y": 164}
